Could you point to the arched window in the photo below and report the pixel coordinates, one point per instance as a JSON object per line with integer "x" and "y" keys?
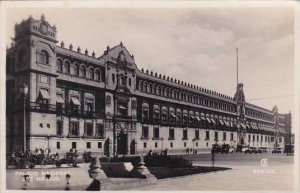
{"x": 59, "y": 66}
{"x": 76, "y": 69}
{"x": 97, "y": 75}
{"x": 82, "y": 71}
{"x": 43, "y": 57}
{"x": 67, "y": 67}
{"x": 91, "y": 74}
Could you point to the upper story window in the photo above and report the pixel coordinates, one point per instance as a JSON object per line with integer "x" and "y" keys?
{"x": 43, "y": 57}
{"x": 59, "y": 66}
{"x": 91, "y": 74}
{"x": 129, "y": 81}
{"x": 76, "y": 70}
{"x": 123, "y": 81}
{"x": 113, "y": 77}
{"x": 67, "y": 67}
{"x": 82, "y": 72}
{"x": 89, "y": 105}
{"x": 98, "y": 75}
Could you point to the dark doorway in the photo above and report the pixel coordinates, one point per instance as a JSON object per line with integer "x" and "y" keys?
{"x": 122, "y": 143}
{"x": 132, "y": 147}
{"x": 242, "y": 141}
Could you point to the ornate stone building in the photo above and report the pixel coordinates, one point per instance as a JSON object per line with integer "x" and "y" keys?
{"x": 106, "y": 105}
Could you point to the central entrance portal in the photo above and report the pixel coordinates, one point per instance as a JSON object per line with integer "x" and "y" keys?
{"x": 122, "y": 141}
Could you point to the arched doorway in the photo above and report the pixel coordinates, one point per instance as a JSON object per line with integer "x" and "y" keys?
{"x": 107, "y": 147}
{"x": 133, "y": 147}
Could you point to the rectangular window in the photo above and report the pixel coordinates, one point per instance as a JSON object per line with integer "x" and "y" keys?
{"x": 171, "y": 144}
{"x": 185, "y": 134}
{"x": 155, "y": 144}
{"x": 257, "y": 138}
{"x": 184, "y": 144}
{"x": 99, "y": 130}
{"x": 145, "y": 144}
{"x": 145, "y": 114}
{"x": 145, "y": 132}
{"x": 88, "y": 145}
{"x": 249, "y": 138}
{"x": 74, "y": 145}
{"x": 253, "y": 139}
{"x": 129, "y": 81}
{"x": 171, "y": 133}
{"x": 89, "y": 106}
{"x": 207, "y": 135}
{"x": 196, "y": 144}
{"x": 156, "y": 132}
{"x": 113, "y": 77}
{"x": 224, "y": 136}
{"x": 74, "y": 129}
{"x": 261, "y": 139}
{"x": 58, "y": 145}
{"x": 197, "y": 135}
{"x": 216, "y": 136}
{"x": 100, "y": 145}
{"x": 88, "y": 130}
{"x": 231, "y": 136}
{"x": 59, "y": 128}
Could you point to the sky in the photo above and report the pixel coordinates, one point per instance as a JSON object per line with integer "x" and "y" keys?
{"x": 196, "y": 45}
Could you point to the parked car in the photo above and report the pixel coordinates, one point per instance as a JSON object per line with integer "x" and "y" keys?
{"x": 216, "y": 148}
{"x": 242, "y": 148}
{"x": 250, "y": 150}
{"x": 276, "y": 151}
{"x": 225, "y": 148}
{"x": 289, "y": 149}
{"x": 262, "y": 150}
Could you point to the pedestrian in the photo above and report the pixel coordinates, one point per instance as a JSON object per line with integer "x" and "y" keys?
{"x": 166, "y": 152}
{"x": 150, "y": 153}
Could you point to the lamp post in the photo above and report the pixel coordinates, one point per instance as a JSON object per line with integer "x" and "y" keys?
{"x": 24, "y": 91}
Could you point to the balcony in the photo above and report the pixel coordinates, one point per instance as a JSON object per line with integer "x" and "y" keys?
{"x": 45, "y": 108}
{"x": 123, "y": 117}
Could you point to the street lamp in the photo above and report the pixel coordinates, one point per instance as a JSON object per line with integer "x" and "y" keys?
{"x": 24, "y": 91}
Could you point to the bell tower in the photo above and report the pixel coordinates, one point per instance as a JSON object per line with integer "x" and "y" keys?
{"x": 239, "y": 98}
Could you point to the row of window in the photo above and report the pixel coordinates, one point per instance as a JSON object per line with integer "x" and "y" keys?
{"x": 184, "y": 96}
{"x": 89, "y": 130}
{"x": 74, "y": 145}
{"x": 156, "y": 134}
{"x": 257, "y": 114}
{"x": 79, "y": 70}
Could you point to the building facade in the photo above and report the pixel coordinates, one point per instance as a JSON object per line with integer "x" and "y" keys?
{"x": 108, "y": 106}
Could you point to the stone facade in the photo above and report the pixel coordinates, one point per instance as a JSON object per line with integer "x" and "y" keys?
{"x": 108, "y": 106}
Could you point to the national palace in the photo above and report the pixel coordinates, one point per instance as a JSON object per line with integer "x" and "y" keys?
{"x": 61, "y": 97}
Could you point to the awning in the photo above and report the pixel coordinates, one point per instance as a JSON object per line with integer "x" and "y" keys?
{"x": 173, "y": 115}
{"x": 221, "y": 122}
{"x": 75, "y": 101}
{"x": 44, "y": 94}
{"x": 89, "y": 101}
{"x": 185, "y": 115}
{"x": 198, "y": 118}
{"x": 59, "y": 99}
{"x": 213, "y": 121}
{"x": 192, "y": 116}
{"x": 208, "y": 119}
{"x": 227, "y": 123}
{"x": 156, "y": 111}
{"x": 145, "y": 109}
{"x": 164, "y": 112}
{"x": 122, "y": 107}
{"x": 243, "y": 125}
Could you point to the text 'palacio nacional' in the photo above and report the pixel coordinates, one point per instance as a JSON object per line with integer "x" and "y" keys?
{"x": 69, "y": 98}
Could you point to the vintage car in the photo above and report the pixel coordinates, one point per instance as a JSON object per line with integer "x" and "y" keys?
{"x": 216, "y": 148}
{"x": 227, "y": 149}
{"x": 262, "y": 150}
{"x": 242, "y": 148}
{"x": 276, "y": 151}
{"x": 289, "y": 149}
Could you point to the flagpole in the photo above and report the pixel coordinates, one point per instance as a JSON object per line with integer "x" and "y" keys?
{"x": 237, "y": 66}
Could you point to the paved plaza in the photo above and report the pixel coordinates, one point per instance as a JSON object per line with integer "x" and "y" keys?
{"x": 247, "y": 174}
